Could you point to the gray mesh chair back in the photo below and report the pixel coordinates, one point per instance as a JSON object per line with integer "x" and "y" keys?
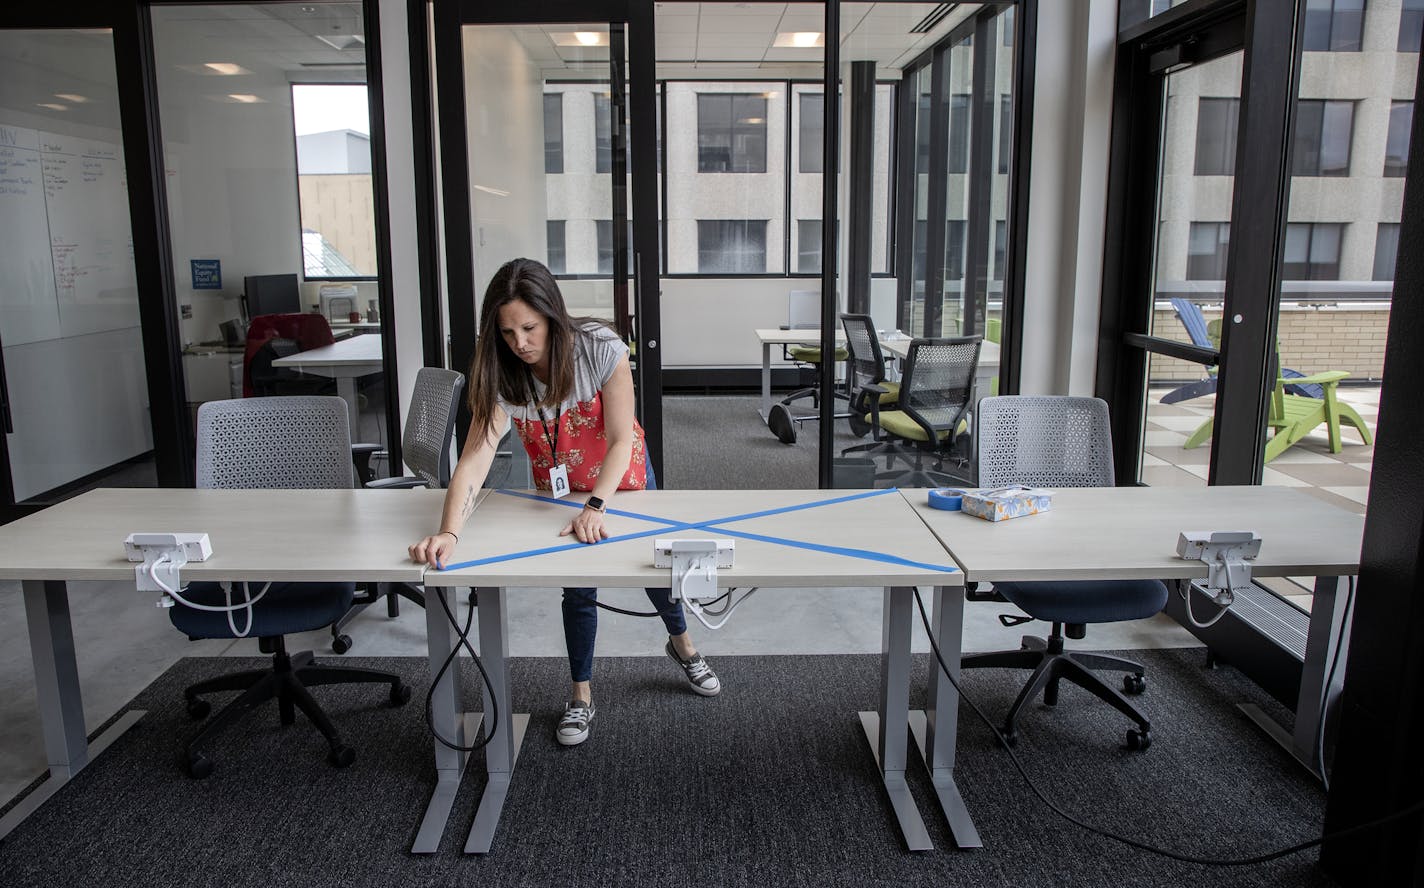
{"x": 939, "y": 381}
{"x": 1044, "y": 440}
{"x": 285, "y": 442}
{"x": 867, "y": 362}
{"x": 430, "y": 424}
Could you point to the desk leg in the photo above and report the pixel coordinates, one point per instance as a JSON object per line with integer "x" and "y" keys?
{"x": 453, "y": 724}
{"x": 503, "y": 750}
{"x": 57, "y": 692}
{"x": 346, "y": 388}
{"x": 1329, "y": 631}
{"x": 935, "y": 729}
{"x": 765, "y": 381}
{"x": 887, "y": 729}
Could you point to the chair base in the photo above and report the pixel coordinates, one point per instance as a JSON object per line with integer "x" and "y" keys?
{"x": 287, "y": 682}
{"x": 1051, "y": 664}
{"x": 391, "y": 592}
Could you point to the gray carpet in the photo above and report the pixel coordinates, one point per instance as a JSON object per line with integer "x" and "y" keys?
{"x": 770, "y": 784}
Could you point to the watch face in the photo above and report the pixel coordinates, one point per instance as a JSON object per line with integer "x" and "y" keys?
{"x": 594, "y": 503}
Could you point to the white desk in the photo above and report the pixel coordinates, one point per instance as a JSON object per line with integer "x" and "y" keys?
{"x": 1131, "y": 533}
{"x": 357, "y": 535}
{"x": 987, "y": 368}
{"x": 343, "y": 361}
{"x": 507, "y": 523}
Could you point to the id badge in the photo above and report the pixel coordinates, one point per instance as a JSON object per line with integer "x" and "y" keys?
{"x": 559, "y": 481}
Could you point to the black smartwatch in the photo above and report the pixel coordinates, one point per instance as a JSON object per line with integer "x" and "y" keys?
{"x": 594, "y": 503}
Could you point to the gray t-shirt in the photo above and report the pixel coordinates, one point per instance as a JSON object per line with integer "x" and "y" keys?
{"x": 597, "y": 351}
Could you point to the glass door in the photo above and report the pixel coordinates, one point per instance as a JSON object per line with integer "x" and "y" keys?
{"x": 552, "y": 122}
{"x": 75, "y": 402}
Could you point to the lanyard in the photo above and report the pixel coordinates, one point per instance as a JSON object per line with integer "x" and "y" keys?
{"x": 552, "y": 440}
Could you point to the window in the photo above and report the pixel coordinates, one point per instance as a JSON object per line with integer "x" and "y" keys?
{"x": 604, "y": 235}
{"x": 1411, "y": 24}
{"x": 556, "y": 252}
{"x": 603, "y": 134}
{"x": 1313, "y": 251}
{"x": 1386, "y": 250}
{"x": 954, "y": 249}
{"x": 813, "y": 136}
{"x": 731, "y": 133}
{"x": 922, "y": 134}
{"x": 553, "y": 132}
{"x": 1334, "y": 25}
{"x": 336, "y": 201}
{"x": 1006, "y": 126}
{"x": 958, "y": 133}
{"x": 1001, "y": 238}
{"x": 808, "y": 246}
{"x": 1322, "y": 138}
{"x": 1396, "y": 143}
{"x": 731, "y": 246}
{"x": 1206, "y": 251}
{"x": 1216, "y": 136}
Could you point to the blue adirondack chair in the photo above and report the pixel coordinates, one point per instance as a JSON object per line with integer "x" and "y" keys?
{"x": 1190, "y": 314}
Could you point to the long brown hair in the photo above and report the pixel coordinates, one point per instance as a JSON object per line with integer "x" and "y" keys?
{"x": 496, "y": 370}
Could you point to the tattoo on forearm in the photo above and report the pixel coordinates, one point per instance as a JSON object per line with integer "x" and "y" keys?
{"x": 468, "y": 505}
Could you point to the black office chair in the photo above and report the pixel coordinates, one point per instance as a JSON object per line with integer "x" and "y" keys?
{"x": 867, "y": 376}
{"x": 268, "y": 380}
{"x": 425, "y": 448}
{"x": 1056, "y": 442}
{"x": 803, "y": 313}
{"x": 266, "y": 443}
{"x": 928, "y": 420}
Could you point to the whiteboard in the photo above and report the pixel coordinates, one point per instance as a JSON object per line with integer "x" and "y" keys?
{"x": 66, "y": 263}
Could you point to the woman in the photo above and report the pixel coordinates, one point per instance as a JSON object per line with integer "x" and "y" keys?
{"x": 566, "y": 386}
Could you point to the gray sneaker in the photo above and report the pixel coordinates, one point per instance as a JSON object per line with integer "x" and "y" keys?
{"x": 699, "y": 674}
{"x": 573, "y": 727}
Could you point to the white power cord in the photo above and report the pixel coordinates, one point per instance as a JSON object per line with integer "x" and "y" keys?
{"x": 726, "y": 613}
{"x": 229, "y": 609}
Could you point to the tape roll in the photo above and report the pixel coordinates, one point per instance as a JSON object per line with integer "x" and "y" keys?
{"x": 948, "y": 499}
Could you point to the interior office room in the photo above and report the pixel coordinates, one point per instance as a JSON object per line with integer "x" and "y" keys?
{"x": 1198, "y": 213}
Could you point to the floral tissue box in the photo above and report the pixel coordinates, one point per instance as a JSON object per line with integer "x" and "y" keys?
{"x": 1003, "y": 503}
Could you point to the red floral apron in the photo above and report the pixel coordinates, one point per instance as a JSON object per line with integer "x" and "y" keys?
{"x": 582, "y": 444}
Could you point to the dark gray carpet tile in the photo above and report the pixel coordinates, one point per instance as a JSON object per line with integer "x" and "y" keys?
{"x": 771, "y": 783}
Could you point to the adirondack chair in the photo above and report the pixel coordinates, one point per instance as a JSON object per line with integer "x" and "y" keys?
{"x": 1206, "y": 334}
{"x": 1295, "y": 416}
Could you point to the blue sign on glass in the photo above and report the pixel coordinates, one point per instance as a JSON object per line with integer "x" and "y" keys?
{"x": 207, "y": 274}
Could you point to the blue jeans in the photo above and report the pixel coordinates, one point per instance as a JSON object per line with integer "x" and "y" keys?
{"x": 581, "y": 617}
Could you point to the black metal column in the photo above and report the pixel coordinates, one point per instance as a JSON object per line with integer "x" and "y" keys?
{"x": 830, "y": 196}
{"x": 860, "y": 205}
{"x": 983, "y": 104}
{"x": 647, "y": 289}
{"x": 935, "y": 198}
{"x": 906, "y": 175}
{"x": 1378, "y": 765}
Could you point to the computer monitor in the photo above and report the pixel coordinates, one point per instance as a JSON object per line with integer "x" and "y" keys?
{"x": 265, "y": 294}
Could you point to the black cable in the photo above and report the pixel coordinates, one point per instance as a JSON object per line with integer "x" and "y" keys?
{"x": 1133, "y": 843}
{"x": 463, "y": 635}
{"x": 619, "y": 610}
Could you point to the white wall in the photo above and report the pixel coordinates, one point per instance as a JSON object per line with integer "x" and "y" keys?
{"x": 1068, "y": 195}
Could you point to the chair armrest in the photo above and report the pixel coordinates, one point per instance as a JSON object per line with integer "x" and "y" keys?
{"x": 401, "y": 483}
{"x": 1326, "y": 377}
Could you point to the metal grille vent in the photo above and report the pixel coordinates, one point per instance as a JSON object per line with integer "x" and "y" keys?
{"x": 935, "y": 16}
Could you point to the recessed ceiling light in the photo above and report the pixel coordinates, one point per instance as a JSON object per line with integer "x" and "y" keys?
{"x": 579, "y": 38}
{"x": 799, "y": 39}
{"x": 588, "y": 38}
{"x": 497, "y": 192}
{"x": 53, "y": 106}
{"x": 243, "y": 98}
{"x": 752, "y": 120}
{"x": 342, "y": 41}
{"x": 75, "y": 98}
{"x": 226, "y": 69}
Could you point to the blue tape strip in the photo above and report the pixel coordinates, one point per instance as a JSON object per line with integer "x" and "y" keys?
{"x": 712, "y": 524}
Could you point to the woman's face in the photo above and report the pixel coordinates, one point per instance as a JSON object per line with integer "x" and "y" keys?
{"x": 525, "y": 331}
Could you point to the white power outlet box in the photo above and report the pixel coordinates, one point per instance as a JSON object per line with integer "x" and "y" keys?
{"x": 194, "y": 546}
{"x": 1227, "y": 555}
{"x": 693, "y": 564}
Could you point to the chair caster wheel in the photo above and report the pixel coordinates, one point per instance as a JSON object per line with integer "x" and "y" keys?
{"x": 341, "y": 644}
{"x": 400, "y": 694}
{"x": 1011, "y": 738}
{"x": 1139, "y": 739}
{"x": 1134, "y": 684}
{"x": 342, "y": 756}
{"x": 199, "y": 709}
{"x": 199, "y": 766}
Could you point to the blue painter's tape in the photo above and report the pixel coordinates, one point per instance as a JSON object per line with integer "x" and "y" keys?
{"x": 948, "y": 499}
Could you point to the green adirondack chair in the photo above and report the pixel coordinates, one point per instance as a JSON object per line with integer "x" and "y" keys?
{"x": 1295, "y": 416}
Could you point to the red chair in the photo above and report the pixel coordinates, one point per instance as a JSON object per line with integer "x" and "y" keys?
{"x": 277, "y": 335}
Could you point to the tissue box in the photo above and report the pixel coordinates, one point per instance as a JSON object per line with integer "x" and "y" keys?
{"x": 1003, "y": 503}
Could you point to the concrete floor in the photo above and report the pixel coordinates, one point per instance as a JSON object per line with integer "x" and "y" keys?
{"x": 124, "y": 643}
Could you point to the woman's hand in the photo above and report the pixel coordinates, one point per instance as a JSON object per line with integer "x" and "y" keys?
{"x": 587, "y": 527}
{"x": 435, "y": 549}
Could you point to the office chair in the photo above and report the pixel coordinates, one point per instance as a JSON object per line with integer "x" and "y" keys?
{"x": 425, "y": 448}
{"x": 929, "y": 417}
{"x": 277, "y": 336}
{"x": 264, "y": 443}
{"x": 804, "y": 313}
{"x": 1056, "y": 442}
{"x": 867, "y": 375}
